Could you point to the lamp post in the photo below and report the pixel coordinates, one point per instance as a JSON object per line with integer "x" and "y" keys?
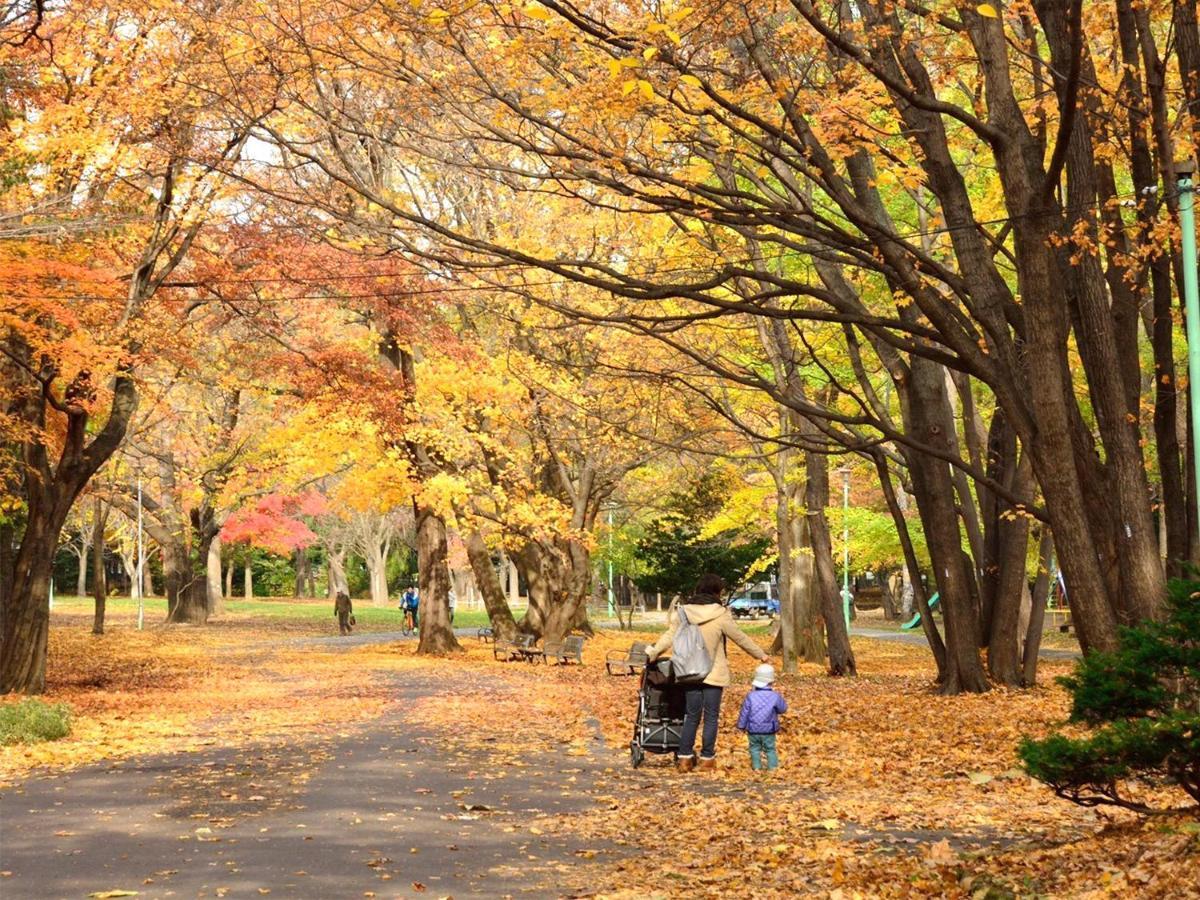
{"x": 138, "y": 580}
{"x": 1184, "y": 172}
{"x": 845, "y": 473}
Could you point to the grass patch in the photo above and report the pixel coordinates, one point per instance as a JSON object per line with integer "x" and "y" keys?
{"x": 31, "y": 721}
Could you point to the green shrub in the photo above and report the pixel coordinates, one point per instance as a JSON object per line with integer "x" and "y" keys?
{"x": 31, "y": 721}
{"x": 1142, "y": 702}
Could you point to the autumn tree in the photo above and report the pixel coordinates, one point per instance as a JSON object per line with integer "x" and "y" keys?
{"x": 107, "y": 189}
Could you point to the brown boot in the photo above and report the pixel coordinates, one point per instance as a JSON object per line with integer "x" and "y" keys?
{"x": 707, "y": 764}
{"x": 685, "y": 763}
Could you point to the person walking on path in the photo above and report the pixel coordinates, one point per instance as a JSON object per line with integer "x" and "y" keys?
{"x": 759, "y": 718}
{"x": 704, "y": 610}
{"x": 344, "y": 610}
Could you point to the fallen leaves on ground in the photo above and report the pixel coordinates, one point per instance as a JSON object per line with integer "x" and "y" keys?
{"x": 884, "y": 789}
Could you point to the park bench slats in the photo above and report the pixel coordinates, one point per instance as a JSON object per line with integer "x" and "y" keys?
{"x": 564, "y": 651}
{"x": 629, "y": 663}
{"x": 520, "y": 649}
{"x": 486, "y": 635}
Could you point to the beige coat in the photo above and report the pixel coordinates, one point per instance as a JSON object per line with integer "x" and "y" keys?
{"x": 715, "y": 624}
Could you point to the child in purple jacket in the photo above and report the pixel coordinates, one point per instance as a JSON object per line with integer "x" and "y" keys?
{"x": 760, "y": 718}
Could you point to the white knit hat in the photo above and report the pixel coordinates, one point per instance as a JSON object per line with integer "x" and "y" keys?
{"x": 764, "y": 676}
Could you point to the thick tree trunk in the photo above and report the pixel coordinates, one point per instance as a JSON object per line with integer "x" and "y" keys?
{"x": 191, "y": 604}
{"x": 927, "y": 417}
{"x": 557, "y": 576}
{"x": 216, "y": 596}
{"x": 500, "y": 616}
{"x": 437, "y": 636}
{"x": 248, "y": 578}
{"x": 229, "y": 579}
{"x": 99, "y": 582}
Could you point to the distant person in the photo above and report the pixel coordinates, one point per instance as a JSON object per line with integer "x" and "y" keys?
{"x": 451, "y": 599}
{"x": 409, "y": 602}
{"x": 760, "y": 718}
{"x": 705, "y": 610}
{"x": 344, "y": 610}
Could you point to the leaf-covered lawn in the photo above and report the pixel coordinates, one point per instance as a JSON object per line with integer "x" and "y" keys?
{"x": 884, "y": 788}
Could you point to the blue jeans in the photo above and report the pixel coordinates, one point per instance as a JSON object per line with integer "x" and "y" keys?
{"x": 762, "y": 749}
{"x": 706, "y": 699}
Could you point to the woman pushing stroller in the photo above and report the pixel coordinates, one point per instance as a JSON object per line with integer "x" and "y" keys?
{"x": 705, "y": 610}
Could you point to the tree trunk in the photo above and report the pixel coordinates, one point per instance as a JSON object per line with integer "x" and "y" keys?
{"x": 6, "y": 568}
{"x": 504, "y": 626}
{"x": 376, "y": 559}
{"x": 85, "y": 546}
{"x": 191, "y": 603}
{"x": 1004, "y": 639}
{"x": 828, "y": 596}
{"x": 934, "y": 638}
{"x": 337, "y": 573}
{"x": 1037, "y": 610}
{"x": 437, "y": 636}
{"x": 784, "y": 642}
{"x": 229, "y": 579}
{"x": 216, "y": 596}
{"x": 927, "y": 415}
{"x": 248, "y": 577}
{"x": 99, "y": 582}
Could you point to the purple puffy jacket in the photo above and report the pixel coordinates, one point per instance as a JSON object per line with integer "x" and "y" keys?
{"x": 760, "y": 712}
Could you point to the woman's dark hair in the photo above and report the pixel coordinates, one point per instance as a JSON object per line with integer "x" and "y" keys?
{"x": 710, "y": 585}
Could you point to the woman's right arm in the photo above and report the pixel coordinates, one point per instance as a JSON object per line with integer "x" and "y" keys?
{"x": 742, "y": 639}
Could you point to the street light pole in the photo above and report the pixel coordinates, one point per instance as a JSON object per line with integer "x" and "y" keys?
{"x": 1184, "y": 171}
{"x": 845, "y": 470}
{"x": 141, "y": 561}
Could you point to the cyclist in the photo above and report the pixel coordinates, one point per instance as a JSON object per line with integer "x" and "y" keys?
{"x": 409, "y": 601}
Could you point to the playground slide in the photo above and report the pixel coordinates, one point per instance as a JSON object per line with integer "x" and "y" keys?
{"x": 915, "y": 622}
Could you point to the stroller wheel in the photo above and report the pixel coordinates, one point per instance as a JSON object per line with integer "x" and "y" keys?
{"x": 636, "y": 754}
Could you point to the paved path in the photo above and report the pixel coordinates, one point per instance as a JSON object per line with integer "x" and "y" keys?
{"x": 387, "y": 811}
{"x": 918, "y": 637}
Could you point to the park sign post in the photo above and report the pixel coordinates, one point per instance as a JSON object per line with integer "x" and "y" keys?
{"x": 1184, "y": 172}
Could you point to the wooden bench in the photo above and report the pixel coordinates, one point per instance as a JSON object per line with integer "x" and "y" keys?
{"x": 629, "y": 664}
{"x": 521, "y": 648}
{"x": 562, "y": 652}
{"x": 486, "y": 635}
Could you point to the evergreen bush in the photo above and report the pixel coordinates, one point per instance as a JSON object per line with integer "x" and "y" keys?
{"x": 1142, "y": 702}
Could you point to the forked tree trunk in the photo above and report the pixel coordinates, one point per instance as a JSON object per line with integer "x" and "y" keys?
{"x": 437, "y": 636}
{"x": 504, "y": 626}
{"x": 337, "y": 573}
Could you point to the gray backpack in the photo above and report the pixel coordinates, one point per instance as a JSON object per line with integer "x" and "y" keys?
{"x": 690, "y": 659}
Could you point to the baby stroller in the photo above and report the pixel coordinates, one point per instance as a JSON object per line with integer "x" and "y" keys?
{"x": 661, "y": 707}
